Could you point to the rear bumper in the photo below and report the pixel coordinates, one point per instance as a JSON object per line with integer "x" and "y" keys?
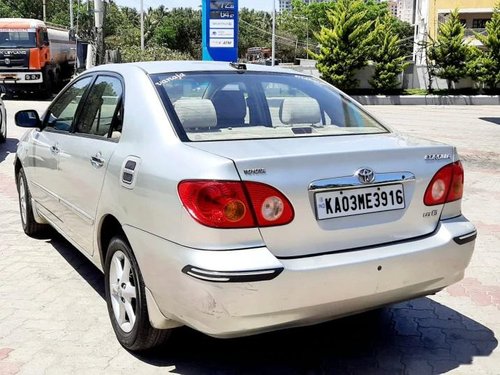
{"x": 305, "y": 290}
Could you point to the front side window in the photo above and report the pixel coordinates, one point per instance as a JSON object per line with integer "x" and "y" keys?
{"x": 252, "y": 105}
{"x": 13, "y": 38}
{"x": 62, "y": 112}
{"x": 101, "y": 114}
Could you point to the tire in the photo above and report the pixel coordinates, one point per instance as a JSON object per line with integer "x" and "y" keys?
{"x": 126, "y": 297}
{"x": 3, "y": 137}
{"x": 30, "y": 226}
{"x": 3, "y": 133}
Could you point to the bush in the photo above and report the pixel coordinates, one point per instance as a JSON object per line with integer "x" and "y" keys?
{"x": 449, "y": 53}
{"x": 484, "y": 66}
{"x": 388, "y": 57}
{"x": 346, "y": 43}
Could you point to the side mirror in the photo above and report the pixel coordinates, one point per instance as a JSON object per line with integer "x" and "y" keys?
{"x": 28, "y": 119}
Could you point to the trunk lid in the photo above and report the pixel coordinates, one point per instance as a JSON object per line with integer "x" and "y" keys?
{"x": 313, "y": 171}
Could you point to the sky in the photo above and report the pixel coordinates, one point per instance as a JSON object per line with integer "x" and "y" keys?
{"x": 252, "y": 4}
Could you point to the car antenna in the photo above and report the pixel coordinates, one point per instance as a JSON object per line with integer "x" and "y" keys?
{"x": 240, "y": 67}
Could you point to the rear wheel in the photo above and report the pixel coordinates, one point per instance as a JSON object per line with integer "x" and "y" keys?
{"x": 30, "y": 226}
{"x": 126, "y": 299}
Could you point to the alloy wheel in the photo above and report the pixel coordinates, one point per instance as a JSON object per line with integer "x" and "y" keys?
{"x": 123, "y": 290}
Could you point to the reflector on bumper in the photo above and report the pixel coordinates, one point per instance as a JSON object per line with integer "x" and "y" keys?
{"x": 231, "y": 276}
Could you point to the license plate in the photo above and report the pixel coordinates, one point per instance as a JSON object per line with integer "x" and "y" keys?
{"x": 359, "y": 201}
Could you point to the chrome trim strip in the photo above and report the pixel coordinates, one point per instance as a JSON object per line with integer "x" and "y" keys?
{"x": 237, "y": 273}
{"x": 83, "y": 215}
{"x": 462, "y": 240}
{"x": 216, "y": 279}
{"x": 347, "y": 182}
{"x": 231, "y": 276}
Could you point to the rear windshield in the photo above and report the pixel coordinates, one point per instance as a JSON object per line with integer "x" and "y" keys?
{"x": 252, "y": 105}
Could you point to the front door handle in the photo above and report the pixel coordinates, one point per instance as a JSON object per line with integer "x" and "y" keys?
{"x": 54, "y": 149}
{"x": 97, "y": 161}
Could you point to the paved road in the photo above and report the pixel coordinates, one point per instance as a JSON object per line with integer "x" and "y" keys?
{"x": 53, "y": 317}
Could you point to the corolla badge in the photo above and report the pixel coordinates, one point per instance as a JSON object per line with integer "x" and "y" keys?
{"x": 437, "y": 156}
{"x": 365, "y": 175}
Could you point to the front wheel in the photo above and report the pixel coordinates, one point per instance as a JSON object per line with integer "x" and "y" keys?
{"x": 30, "y": 226}
{"x": 126, "y": 299}
{"x": 3, "y": 132}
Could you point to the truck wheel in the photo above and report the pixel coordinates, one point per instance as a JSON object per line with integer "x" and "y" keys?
{"x": 126, "y": 299}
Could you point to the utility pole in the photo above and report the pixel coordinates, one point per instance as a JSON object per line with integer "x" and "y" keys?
{"x": 71, "y": 14}
{"x": 142, "y": 25}
{"x": 44, "y": 11}
{"x": 99, "y": 38}
{"x": 273, "y": 59}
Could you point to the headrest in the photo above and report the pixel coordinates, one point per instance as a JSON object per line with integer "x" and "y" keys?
{"x": 230, "y": 106}
{"x": 300, "y": 110}
{"x": 196, "y": 113}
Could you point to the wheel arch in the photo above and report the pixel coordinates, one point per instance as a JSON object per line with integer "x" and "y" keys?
{"x": 109, "y": 228}
{"x": 17, "y": 167}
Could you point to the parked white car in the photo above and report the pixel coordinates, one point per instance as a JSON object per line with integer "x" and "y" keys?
{"x": 238, "y": 199}
{"x": 3, "y": 122}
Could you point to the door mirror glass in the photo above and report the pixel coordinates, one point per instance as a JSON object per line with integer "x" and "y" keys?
{"x": 28, "y": 119}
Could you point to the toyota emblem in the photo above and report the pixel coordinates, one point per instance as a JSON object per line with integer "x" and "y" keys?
{"x": 365, "y": 175}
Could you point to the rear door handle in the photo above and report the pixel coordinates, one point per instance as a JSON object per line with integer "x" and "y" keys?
{"x": 97, "y": 161}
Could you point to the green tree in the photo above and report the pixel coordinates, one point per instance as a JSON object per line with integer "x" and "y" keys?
{"x": 388, "y": 57}
{"x": 151, "y": 53}
{"x": 484, "y": 66}
{"x": 21, "y": 8}
{"x": 180, "y": 30}
{"x": 255, "y": 28}
{"x": 449, "y": 51}
{"x": 346, "y": 43}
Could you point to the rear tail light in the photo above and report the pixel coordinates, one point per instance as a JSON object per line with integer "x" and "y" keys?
{"x": 270, "y": 206}
{"x": 447, "y": 185}
{"x": 232, "y": 204}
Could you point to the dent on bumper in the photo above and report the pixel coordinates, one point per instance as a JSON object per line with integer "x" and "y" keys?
{"x": 308, "y": 290}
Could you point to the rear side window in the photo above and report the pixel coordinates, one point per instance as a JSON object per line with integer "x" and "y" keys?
{"x": 252, "y": 105}
{"x": 101, "y": 115}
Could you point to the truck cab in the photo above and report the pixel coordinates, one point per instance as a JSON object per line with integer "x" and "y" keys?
{"x": 33, "y": 56}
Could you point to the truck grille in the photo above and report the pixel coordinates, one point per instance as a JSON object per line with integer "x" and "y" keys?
{"x": 16, "y": 61}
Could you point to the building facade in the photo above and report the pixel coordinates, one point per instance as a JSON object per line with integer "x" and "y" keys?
{"x": 473, "y": 14}
{"x": 393, "y": 7}
{"x": 406, "y": 10}
{"x": 429, "y": 14}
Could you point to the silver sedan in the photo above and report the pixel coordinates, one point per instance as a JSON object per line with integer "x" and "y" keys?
{"x": 3, "y": 122}
{"x": 238, "y": 199}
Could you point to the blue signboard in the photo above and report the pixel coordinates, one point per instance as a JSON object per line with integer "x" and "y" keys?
{"x": 220, "y": 30}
